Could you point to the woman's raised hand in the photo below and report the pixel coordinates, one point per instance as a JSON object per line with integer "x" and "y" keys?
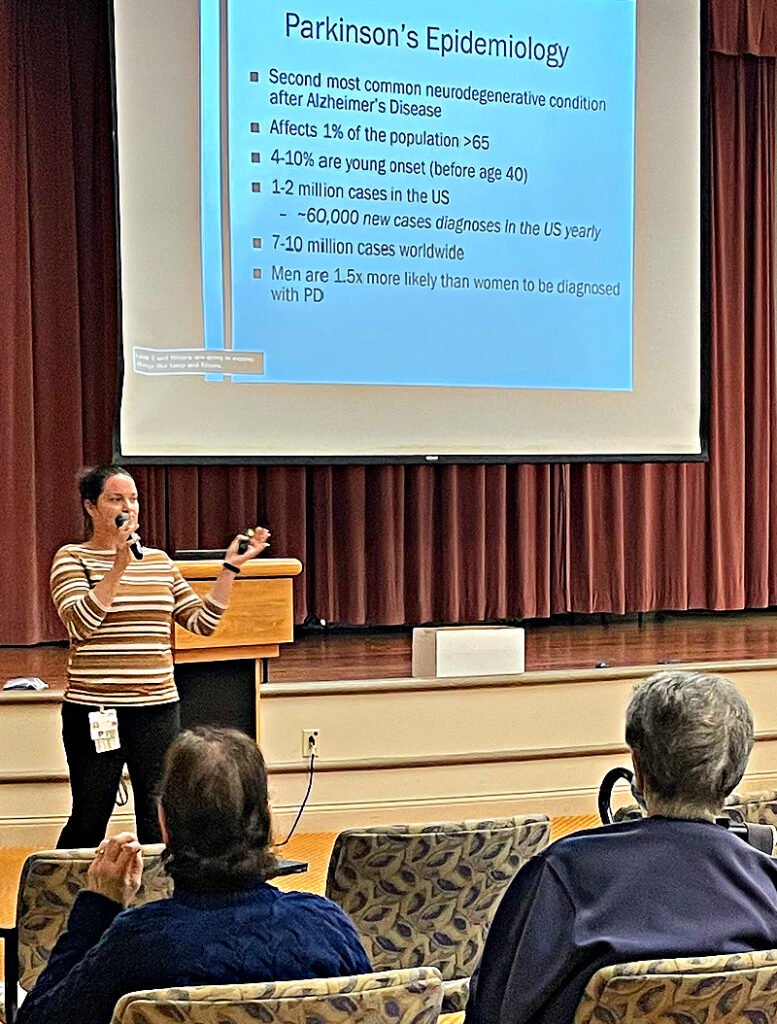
{"x": 255, "y": 545}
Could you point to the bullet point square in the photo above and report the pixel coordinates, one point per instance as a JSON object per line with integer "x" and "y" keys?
{"x": 254, "y": 76}
{"x": 256, "y": 186}
{"x": 256, "y": 127}
{"x": 256, "y": 158}
{"x": 257, "y": 243}
{"x": 257, "y": 272}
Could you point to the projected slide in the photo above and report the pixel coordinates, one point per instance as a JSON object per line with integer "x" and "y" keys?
{"x": 416, "y": 194}
{"x": 415, "y": 230}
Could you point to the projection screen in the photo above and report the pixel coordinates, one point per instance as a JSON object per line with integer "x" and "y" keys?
{"x": 417, "y": 230}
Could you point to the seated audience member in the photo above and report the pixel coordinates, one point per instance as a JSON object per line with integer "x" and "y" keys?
{"x": 224, "y": 923}
{"x": 671, "y": 884}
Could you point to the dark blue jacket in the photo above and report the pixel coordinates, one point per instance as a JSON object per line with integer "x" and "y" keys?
{"x": 259, "y": 935}
{"x": 634, "y": 891}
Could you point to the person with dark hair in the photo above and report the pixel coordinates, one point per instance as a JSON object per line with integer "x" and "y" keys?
{"x": 224, "y": 924}
{"x": 214, "y": 810}
{"x": 671, "y": 884}
{"x": 118, "y": 609}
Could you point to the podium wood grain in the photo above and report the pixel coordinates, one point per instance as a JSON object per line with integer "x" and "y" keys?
{"x": 259, "y": 613}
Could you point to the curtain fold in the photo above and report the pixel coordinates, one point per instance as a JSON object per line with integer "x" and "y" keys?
{"x": 740, "y": 27}
{"x": 380, "y": 544}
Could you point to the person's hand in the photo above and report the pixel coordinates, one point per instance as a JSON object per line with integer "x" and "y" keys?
{"x": 124, "y": 533}
{"x": 123, "y": 557}
{"x": 117, "y": 868}
{"x": 256, "y": 545}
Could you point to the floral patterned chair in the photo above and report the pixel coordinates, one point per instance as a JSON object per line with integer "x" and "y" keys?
{"x": 49, "y": 883}
{"x": 426, "y": 894}
{"x": 755, "y": 808}
{"x": 759, "y": 808}
{"x": 393, "y": 997}
{"x": 727, "y": 989}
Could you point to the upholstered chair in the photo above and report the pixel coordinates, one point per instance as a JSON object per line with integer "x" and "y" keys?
{"x": 752, "y": 808}
{"x": 393, "y": 997}
{"x": 728, "y": 989}
{"x": 426, "y": 894}
{"x": 759, "y": 808}
{"x": 49, "y": 883}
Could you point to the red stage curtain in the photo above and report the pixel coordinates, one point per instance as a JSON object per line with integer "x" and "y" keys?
{"x": 380, "y": 544}
{"x": 742, "y": 27}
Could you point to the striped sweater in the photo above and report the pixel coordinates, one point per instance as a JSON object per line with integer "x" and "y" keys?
{"x": 122, "y": 654}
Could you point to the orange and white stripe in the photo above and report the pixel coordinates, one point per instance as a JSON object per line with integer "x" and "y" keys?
{"x": 122, "y": 654}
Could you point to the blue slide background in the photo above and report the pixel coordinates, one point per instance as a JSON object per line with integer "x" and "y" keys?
{"x": 581, "y": 167}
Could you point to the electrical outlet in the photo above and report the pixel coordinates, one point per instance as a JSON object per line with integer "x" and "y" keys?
{"x": 310, "y": 743}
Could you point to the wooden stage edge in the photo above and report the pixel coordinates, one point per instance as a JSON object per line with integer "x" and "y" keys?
{"x": 385, "y": 653}
{"x": 397, "y": 749}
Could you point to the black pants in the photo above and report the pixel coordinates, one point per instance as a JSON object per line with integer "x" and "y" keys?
{"x": 145, "y": 734}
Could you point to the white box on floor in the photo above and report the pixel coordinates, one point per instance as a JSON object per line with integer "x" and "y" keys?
{"x": 468, "y": 651}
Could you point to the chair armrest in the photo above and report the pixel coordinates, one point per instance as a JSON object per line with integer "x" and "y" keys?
{"x": 10, "y": 940}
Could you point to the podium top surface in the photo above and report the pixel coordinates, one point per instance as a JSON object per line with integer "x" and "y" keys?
{"x": 256, "y": 568}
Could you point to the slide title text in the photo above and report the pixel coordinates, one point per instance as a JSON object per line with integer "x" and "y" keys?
{"x": 437, "y": 40}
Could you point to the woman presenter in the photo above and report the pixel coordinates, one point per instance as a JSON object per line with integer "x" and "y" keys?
{"x": 118, "y": 601}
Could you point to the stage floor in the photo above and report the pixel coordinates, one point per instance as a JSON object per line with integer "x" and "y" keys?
{"x": 386, "y": 653}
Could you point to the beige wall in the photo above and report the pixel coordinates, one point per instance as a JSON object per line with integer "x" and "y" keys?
{"x": 403, "y": 750}
{"x": 412, "y": 750}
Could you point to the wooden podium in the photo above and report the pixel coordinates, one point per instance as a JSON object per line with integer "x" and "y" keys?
{"x": 219, "y": 676}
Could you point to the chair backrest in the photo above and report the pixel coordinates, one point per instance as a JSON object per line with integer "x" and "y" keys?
{"x": 426, "y": 894}
{"x": 751, "y": 808}
{"x": 724, "y": 989}
{"x": 758, "y": 808}
{"x": 49, "y": 883}
{"x": 394, "y": 997}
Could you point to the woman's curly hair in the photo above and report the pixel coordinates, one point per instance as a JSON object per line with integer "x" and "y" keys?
{"x": 214, "y": 797}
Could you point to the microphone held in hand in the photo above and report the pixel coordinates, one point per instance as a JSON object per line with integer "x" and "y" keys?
{"x": 245, "y": 536}
{"x": 134, "y": 542}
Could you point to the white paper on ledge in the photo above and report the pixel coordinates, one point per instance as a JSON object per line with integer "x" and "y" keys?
{"x": 26, "y": 683}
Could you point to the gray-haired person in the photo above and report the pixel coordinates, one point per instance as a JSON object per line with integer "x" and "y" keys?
{"x": 671, "y": 884}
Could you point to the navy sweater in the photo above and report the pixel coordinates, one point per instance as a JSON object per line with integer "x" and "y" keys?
{"x": 259, "y": 935}
{"x": 634, "y": 891}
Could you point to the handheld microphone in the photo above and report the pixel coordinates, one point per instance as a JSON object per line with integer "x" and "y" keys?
{"x": 134, "y": 542}
{"x": 244, "y": 538}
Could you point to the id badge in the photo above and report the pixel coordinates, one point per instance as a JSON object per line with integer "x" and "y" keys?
{"x": 104, "y": 729}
